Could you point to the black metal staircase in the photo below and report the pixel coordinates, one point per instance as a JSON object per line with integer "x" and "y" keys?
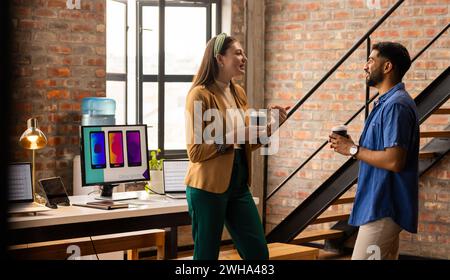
{"x": 428, "y": 101}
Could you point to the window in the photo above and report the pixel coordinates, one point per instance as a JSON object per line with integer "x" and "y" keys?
{"x": 116, "y": 56}
{"x": 166, "y": 40}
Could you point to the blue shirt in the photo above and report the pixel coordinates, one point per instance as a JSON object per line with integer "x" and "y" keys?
{"x": 381, "y": 193}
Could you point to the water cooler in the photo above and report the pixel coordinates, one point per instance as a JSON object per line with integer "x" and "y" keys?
{"x": 95, "y": 111}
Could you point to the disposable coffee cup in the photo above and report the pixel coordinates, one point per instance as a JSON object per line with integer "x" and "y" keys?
{"x": 340, "y": 130}
{"x": 259, "y": 118}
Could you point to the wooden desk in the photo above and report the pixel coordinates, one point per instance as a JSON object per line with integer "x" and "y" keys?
{"x": 149, "y": 211}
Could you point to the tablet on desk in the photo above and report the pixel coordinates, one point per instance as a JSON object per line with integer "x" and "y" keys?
{"x": 106, "y": 205}
{"x": 55, "y": 192}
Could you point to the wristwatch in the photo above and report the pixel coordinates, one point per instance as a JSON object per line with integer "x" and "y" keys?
{"x": 354, "y": 150}
{"x": 220, "y": 148}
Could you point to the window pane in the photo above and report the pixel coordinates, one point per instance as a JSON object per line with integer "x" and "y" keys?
{"x": 185, "y": 39}
{"x": 213, "y": 20}
{"x": 115, "y": 37}
{"x": 150, "y": 113}
{"x": 175, "y": 101}
{"x": 131, "y": 70}
{"x": 150, "y": 40}
{"x": 116, "y": 91}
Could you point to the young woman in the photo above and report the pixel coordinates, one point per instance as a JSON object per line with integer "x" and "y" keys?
{"x": 219, "y": 171}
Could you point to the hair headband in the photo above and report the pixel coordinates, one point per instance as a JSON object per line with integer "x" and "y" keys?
{"x": 218, "y": 43}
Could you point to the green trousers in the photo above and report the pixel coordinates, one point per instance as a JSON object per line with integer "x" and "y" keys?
{"x": 236, "y": 209}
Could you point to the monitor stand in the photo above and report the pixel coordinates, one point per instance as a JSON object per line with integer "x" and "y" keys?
{"x": 107, "y": 194}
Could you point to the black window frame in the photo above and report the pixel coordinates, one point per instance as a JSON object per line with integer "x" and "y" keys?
{"x": 159, "y": 78}
{"x": 121, "y": 77}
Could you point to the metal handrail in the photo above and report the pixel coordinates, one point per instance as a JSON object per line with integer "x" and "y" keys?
{"x": 431, "y": 42}
{"x": 354, "y": 116}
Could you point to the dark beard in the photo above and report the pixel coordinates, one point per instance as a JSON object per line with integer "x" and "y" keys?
{"x": 375, "y": 78}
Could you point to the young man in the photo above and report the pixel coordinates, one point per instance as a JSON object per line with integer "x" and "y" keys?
{"x": 387, "y": 196}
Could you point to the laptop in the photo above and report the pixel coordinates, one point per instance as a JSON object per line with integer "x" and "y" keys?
{"x": 20, "y": 187}
{"x": 174, "y": 172}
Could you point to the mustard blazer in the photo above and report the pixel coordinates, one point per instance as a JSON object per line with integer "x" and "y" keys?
{"x": 209, "y": 170}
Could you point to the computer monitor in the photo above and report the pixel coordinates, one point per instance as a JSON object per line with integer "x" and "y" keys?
{"x": 113, "y": 154}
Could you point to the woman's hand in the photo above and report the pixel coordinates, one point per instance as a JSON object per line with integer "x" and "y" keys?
{"x": 282, "y": 116}
{"x": 282, "y": 112}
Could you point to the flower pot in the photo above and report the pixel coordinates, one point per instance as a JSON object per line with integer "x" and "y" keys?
{"x": 156, "y": 181}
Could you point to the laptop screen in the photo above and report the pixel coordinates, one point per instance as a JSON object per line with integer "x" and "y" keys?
{"x": 174, "y": 172}
{"x": 20, "y": 182}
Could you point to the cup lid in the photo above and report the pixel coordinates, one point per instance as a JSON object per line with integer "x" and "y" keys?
{"x": 339, "y": 128}
{"x": 258, "y": 113}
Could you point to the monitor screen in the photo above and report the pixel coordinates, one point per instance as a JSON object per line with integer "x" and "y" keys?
{"x": 113, "y": 154}
{"x": 174, "y": 172}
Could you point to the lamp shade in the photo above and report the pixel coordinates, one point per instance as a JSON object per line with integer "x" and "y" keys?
{"x": 33, "y": 138}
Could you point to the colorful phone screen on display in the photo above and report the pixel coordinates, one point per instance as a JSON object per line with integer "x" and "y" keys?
{"x": 134, "y": 148}
{"x": 98, "y": 151}
{"x": 115, "y": 149}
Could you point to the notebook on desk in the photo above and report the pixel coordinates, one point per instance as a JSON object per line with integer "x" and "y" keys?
{"x": 174, "y": 172}
{"x": 20, "y": 187}
{"x": 104, "y": 204}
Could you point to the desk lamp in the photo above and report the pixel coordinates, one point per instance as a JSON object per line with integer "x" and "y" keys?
{"x": 33, "y": 139}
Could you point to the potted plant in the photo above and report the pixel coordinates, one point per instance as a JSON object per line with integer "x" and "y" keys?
{"x": 155, "y": 165}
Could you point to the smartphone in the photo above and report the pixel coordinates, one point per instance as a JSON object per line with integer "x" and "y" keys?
{"x": 115, "y": 149}
{"x": 134, "y": 148}
{"x": 98, "y": 151}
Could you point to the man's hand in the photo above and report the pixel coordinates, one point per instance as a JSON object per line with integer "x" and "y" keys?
{"x": 341, "y": 144}
{"x": 392, "y": 159}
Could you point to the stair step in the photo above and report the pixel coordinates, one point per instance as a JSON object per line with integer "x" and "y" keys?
{"x": 432, "y": 134}
{"x": 442, "y": 111}
{"x": 279, "y": 251}
{"x": 424, "y": 155}
{"x": 348, "y": 198}
{"x": 314, "y": 235}
{"x": 331, "y": 217}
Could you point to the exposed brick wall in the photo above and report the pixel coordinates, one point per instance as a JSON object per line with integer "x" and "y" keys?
{"x": 238, "y": 20}
{"x": 433, "y": 238}
{"x": 238, "y": 28}
{"x": 304, "y": 39}
{"x": 59, "y": 58}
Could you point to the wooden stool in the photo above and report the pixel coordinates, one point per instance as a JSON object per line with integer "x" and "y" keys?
{"x": 57, "y": 250}
{"x": 279, "y": 251}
